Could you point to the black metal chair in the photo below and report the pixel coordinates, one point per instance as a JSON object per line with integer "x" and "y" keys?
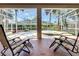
{"x": 64, "y": 42}
{"x": 14, "y": 45}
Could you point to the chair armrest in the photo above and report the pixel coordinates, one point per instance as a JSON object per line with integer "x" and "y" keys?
{"x": 13, "y": 41}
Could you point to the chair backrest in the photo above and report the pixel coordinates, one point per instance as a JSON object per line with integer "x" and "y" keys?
{"x": 3, "y": 39}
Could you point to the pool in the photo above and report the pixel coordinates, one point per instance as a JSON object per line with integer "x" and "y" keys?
{"x": 23, "y": 35}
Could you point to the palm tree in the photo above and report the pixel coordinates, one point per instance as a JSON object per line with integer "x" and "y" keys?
{"x": 47, "y": 11}
{"x": 56, "y": 12}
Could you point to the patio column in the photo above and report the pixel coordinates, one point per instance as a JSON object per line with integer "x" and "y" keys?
{"x": 39, "y": 23}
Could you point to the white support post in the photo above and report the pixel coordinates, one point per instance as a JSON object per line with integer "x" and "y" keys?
{"x": 16, "y": 20}
{"x": 61, "y": 22}
{"x": 22, "y": 27}
{"x": 47, "y": 24}
{"x": 4, "y": 23}
{"x": 4, "y": 26}
{"x": 76, "y": 24}
{"x": 11, "y": 27}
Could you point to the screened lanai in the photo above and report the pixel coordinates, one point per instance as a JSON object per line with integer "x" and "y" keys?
{"x": 65, "y": 19}
{"x": 41, "y": 23}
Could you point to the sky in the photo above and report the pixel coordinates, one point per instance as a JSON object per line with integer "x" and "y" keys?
{"x": 27, "y": 14}
{"x": 46, "y": 17}
{"x": 32, "y": 12}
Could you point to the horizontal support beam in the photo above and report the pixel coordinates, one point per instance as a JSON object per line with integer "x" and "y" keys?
{"x": 39, "y": 5}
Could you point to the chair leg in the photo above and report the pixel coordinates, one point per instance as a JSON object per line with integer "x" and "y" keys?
{"x": 19, "y": 52}
{"x": 52, "y": 44}
{"x": 57, "y": 47}
{"x": 26, "y": 47}
{"x": 30, "y": 45}
{"x": 67, "y": 50}
{"x": 3, "y": 54}
{"x": 26, "y": 51}
{"x": 3, "y": 51}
